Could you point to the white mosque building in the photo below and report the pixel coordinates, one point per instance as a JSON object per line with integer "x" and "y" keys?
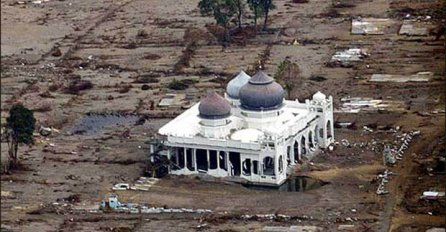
{"x": 252, "y": 134}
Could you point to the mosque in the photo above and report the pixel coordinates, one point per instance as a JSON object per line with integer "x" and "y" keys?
{"x": 251, "y": 134}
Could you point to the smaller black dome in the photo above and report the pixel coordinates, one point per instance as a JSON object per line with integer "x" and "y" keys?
{"x": 214, "y": 106}
{"x": 261, "y": 93}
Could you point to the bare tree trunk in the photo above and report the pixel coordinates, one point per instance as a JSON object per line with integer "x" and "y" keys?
{"x": 266, "y": 6}
{"x": 239, "y": 15}
{"x": 16, "y": 148}
{"x": 227, "y": 36}
{"x": 255, "y": 18}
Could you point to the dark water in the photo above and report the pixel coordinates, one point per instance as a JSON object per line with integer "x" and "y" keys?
{"x": 93, "y": 123}
{"x": 293, "y": 184}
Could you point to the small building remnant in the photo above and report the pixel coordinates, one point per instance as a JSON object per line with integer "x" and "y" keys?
{"x": 252, "y": 134}
{"x": 112, "y": 202}
{"x": 369, "y": 26}
{"x": 172, "y": 99}
{"x": 388, "y": 156}
{"x": 418, "y": 77}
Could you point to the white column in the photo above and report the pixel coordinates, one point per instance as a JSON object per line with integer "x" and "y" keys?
{"x": 227, "y": 160}
{"x": 276, "y": 165}
{"x": 168, "y": 157}
{"x": 209, "y": 163}
{"x": 194, "y": 164}
{"x": 194, "y": 160}
{"x": 218, "y": 162}
{"x": 241, "y": 164}
{"x": 185, "y": 158}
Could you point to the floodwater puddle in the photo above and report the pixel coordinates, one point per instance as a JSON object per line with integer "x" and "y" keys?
{"x": 293, "y": 184}
{"x": 93, "y": 123}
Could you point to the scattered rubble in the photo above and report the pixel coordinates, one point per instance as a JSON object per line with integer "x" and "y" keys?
{"x": 142, "y": 184}
{"x": 116, "y": 206}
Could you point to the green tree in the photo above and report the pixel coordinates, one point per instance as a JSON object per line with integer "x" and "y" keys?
{"x": 256, "y": 8}
{"x": 288, "y": 74}
{"x": 222, "y": 10}
{"x": 19, "y": 129}
{"x": 266, "y": 5}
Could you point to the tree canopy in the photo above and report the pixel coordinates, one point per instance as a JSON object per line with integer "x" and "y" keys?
{"x": 222, "y": 10}
{"x": 21, "y": 123}
{"x": 19, "y": 128}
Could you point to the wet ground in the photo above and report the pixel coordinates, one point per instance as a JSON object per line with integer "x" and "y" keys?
{"x": 50, "y": 48}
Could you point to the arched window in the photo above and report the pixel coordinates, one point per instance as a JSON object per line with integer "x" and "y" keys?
{"x": 268, "y": 166}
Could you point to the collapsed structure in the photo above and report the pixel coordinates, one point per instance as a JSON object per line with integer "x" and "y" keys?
{"x": 252, "y": 133}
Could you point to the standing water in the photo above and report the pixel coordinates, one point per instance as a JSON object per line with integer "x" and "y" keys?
{"x": 293, "y": 184}
{"x": 92, "y": 123}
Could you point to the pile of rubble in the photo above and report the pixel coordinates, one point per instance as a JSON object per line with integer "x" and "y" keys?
{"x": 116, "y": 206}
{"x": 142, "y": 184}
{"x": 384, "y": 179}
{"x": 391, "y": 155}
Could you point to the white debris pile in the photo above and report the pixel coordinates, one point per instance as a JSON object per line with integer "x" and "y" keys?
{"x": 114, "y": 204}
{"x": 346, "y": 57}
{"x": 392, "y": 154}
{"x": 142, "y": 184}
{"x": 384, "y": 179}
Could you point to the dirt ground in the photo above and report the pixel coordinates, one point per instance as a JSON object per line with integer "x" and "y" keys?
{"x": 132, "y": 50}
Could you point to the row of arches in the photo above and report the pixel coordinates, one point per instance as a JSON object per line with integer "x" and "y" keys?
{"x": 308, "y": 142}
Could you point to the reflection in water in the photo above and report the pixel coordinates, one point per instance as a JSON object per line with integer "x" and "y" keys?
{"x": 293, "y": 184}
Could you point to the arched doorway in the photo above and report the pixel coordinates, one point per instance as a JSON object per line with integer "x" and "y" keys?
{"x": 316, "y": 134}
{"x": 303, "y": 148}
{"x": 310, "y": 139}
{"x": 296, "y": 151}
{"x": 329, "y": 132}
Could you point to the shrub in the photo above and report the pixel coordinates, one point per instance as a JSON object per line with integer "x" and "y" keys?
{"x": 78, "y": 85}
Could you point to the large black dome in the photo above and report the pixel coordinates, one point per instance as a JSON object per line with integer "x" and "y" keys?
{"x": 214, "y": 107}
{"x": 261, "y": 93}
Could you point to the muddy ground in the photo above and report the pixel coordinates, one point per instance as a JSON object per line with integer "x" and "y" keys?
{"x": 131, "y": 51}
